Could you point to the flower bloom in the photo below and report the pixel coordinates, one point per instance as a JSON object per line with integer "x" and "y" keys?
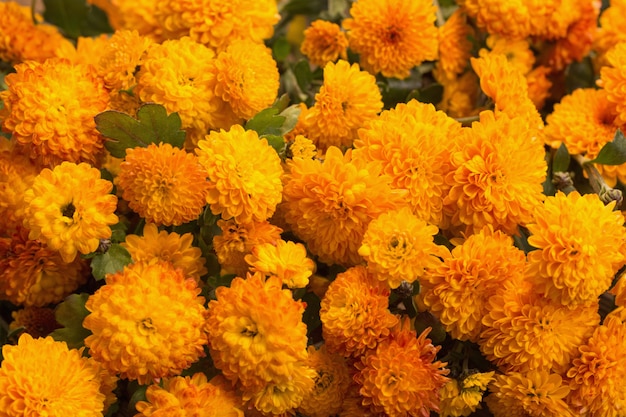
{"x": 163, "y": 184}
{"x": 354, "y": 313}
{"x": 191, "y": 396}
{"x": 17, "y": 173}
{"x": 392, "y": 36}
{"x": 580, "y": 247}
{"x": 36, "y": 321}
{"x": 461, "y": 397}
{"x": 147, "y": 322}
{"x": 138, "y": 15}
{"x": 70, "y": 209}
{"x": 613, "y": 80}
{"x": 286, "y": 260}
{"x": 170, "y": 247}
{"x": 244, "y": 174}
{"x": 49, "y": 107}
{"x": 324, "y": 42}
{"x": 43, "y": 377}
{"x": 454, "y": 46}
{"x": 510, "y": 19}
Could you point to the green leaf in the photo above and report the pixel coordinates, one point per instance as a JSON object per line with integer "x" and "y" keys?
{"x": 303, "y": 74}
{"x": 612, "y": 153}
{"x": 281, "y": 49}
{"x": 153, "y": 125}
{"x": 70, "y": 314}
{"x": 276, "y": 142}
{"x": 96, "y": 22}
{"x": 291, "y": 115}
{"x": 68, "y": 15}
{"x": 118, "y": 232}
{"x": 114, "y": 260}
{"x": 138, "y": 395}
{"x": 561, "y": 159}
{"x": 266, "y": 122}
{"x": 431, "y": 94}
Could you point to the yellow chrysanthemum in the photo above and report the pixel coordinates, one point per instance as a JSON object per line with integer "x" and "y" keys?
{"x": 165, "y": 185}
{"x": 610, "y": 31}
{"x": 170, "y": 247}
{"x": 598, "y": 373}
{"x": 461, "y": 397}
{"x": 412, "y": 143}
{"x": 33, "y": 275}
{"x": 70, "y": 209}
{"x": 523, "y": 331}
{"x": 331, "y": 383}
{"x": 246, "y": 77}
{"x": 217, "y": 23}
{"x": 455, "y": 48}
{"x": 181, "y": 396}
{"x": 17, "y": 174}
{"x": 392, "y": 36}
{"x": 244, "y": 174}
{"x": 533, "y": 394}
{"x": 539, "y": 85}
{"x": 286, "y": 260}
{"x": 42, "y": 377}
{"x": 354, "y": 313}
{"x": 460, "y": 95}
{"x": 510, "y": 18}
{"x": 330, "y": 204}
{"x": 579, "y": 242}
{"x": 402, "y": 377}
{"x": 347, "y": 99}
{"x": 136, "y": 15}
{"x": 517, "y": 52}
{"x": 300, "y": 147}
{"x": 49, "y": 108}
{"x": 458, "y": 290}
{"x": 497, "y": 175}
{"x": 324, "y": 42}
{"x": 147, "y": 322}
{"x": 398, "y": 246}
{"x": 613, "y": 80}
{"x": 36, "y": 321}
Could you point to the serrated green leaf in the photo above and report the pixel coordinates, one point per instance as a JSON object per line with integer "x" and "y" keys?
{"x": 114, "y": 260}
{"x": 276, "y": 142}
{"x": 281, "y": 49}
{"x": 118, "y": 232}
{"x": 614, "y": 152}
{"x": 266, "y": 122}
{"x": 153, "y": 125}
{"x": 281, "y": 103}
{"x": 96, "y": 22}
{"x": 561, "y": 159}
{"x": 303, "y": 74}
{"x": 70, "y": 314}
{"x": 68, "y": 15}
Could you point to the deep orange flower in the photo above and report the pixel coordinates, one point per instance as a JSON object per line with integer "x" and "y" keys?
{"x": 324, "y": 42}
{"x": 509, "y": 18}
{"x": 286, "y": 260}
{"x": 36, "y": 321}
{"x": 137, "y": 15}
{"x": 17, "y": 174}
{"x": 454, "y": 46}
{"x": 461, "y": 397}
{"x": 613, "y": 80}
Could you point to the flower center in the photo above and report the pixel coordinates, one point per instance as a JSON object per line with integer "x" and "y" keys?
{"x": 145, "y": 326}
{"x": 68, "y": 211}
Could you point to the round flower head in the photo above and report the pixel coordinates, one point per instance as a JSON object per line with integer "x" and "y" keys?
{"x": 136, "y": 15}
{"x": 330, "y": 204}
{"x": 532, "y": 393}
{"x": 324, "y": 42}
{"x": 50, "y": 107}
{"x": 401, "y": 377}
{"x": 286, "y": 260}
{"x": 412, "y": 142}
{"x": 398, "y": 246}
{"x": 579, "y": 245}
{"x": 454, "y": 46}
{"x": 42, "y": 377}
{"x": 246, "y": 77}
{"x": 392, "y": 36}
{"x": 516, "y": 51}
{"x": 217, "y": 23}
{"x": 32, "y": 274}
{"x": 36, "y": 321}
{"x": 461, "y": 397}
{"x": 510, "y": 19}
{"x": 170, "y": 247}
{"x": 17, "y": 174}
{"x": 610, "y": 31}
{"x": 613, "y": 80}
{"x": 70, "y": 209}
{"x": 458, "y": 290}
{"x": 497, "y": 175}
{"x": 347, "y": 99}
{"x": 181, "y": 396}
{"x": 300, "y": 147}
{"x": 163, "y": 184}
{"x": 523, "y": 331}
{"x": 460, "y": 95}
{"x": 147, "y": 322}
{"x": 354, "y": 313}
{"x": 244, "y": 174}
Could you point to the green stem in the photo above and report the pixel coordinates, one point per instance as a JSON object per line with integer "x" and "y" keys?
{"x": 440, "y": 19}
{"x": 607, "y": 194}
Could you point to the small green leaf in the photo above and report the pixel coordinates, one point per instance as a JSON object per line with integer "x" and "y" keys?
{"x": 70, "y": 314}
{"x": 281, "y": 103}
{"x": 114, "y": 260}
{"x": 303, "y": 74}
{"x": 68, "y": 15}
{"x": 276, "y": 142}
{"x": 266, "y": 122}
{"x": 561, "y": 159}
{"x": 118, "y": 232}
{"x": 291, "y": 115}
{"x": 281, "y": 49}
{"x": 431, "y": 94}
{"x": 614, "y": 152}
{"x": 153, "y": 125}
{"x": 138, "y": 395}
{"x": 96, "y": 22}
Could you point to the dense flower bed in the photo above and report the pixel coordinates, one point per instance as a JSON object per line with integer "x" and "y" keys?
{"x": 313, "y": 208}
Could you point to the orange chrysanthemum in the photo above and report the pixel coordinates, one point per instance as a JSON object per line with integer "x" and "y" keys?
{"x": 392, "y": 36}
{"x": 354, "y": 313}
{"x": 398, "y": 246}
{"x": 70, "y": 209}
{"x": 49, "y": 108}
{"x": 36, "y": 321}
{"x": 497, "y": 175}
{"x": 510, "y": 18}
{"x": 613, "y": 80}
{"x": 579, "y": 242}
{"x": 300, "y": 147}
{"x": 330, "y": 204}
{"x": 286, "y": 260}
{"x": 147, "y": 322}
{"x": 412, "y": 143}
{"x": 455, "y": 48}
{"x": 610, "y": 31}
{"x": 461, "y": 397}
{"x": 458, "y": 290}
{"x": 136, "y": 15}
{"x": 460, "y": 95}
{"x": 170, "y": 247}
{"x": 539, "y": 85}
{"x": 17, "y": 174}
{"x": 516, "y": 51}
{"x": 180, "y": 396}
{"x": 33, "y": 275}
{"x": 533, "y": 393}
{"x": 324, "y": 42}
{"x": 402, "y": 377}
{"x": 165, "y": 185}
{"x": 244, "y": 174}
{"x": 42, "y": 377}
{"x": 347, "y": 99}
